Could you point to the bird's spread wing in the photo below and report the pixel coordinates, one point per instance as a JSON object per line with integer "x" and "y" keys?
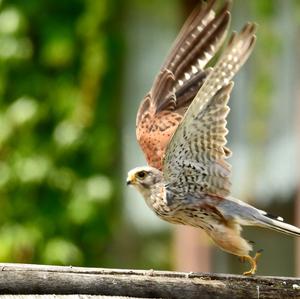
{"x": 195, "y": 157}
{"x": 183, "y": 72}
{"x": 197, "y": 43}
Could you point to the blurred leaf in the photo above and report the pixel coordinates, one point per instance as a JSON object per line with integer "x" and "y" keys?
{"x": 54, "y": 59}
{"x": 62, "y": 252}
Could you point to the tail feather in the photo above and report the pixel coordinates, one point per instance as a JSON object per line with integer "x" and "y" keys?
{"x": 245, "y": 214}
{"x": 278, "y": 224}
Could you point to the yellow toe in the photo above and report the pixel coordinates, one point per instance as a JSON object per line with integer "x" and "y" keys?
{"x": 253, "y": 263}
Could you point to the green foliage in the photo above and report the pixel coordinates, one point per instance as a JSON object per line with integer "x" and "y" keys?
{"x": 59, "y": 130}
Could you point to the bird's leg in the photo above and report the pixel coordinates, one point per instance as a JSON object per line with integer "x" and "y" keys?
{"x": 242, "y": 259}
{"x": 253, "y": 262}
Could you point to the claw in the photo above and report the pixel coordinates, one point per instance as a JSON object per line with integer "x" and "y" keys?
{"x": 253, "y": 262}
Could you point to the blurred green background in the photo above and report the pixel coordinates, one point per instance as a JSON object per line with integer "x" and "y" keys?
{"x": 72, "y": 73}
{"x": 59, "y": 130}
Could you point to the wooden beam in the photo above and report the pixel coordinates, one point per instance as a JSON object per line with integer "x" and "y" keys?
{"x": 38, "y": 279}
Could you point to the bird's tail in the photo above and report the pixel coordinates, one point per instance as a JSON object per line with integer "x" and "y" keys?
{"x": 278, "y": 224}
{"x": 245, "y": 214}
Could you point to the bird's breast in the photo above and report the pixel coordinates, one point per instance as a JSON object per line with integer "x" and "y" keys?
{"x": 162, "y": 208}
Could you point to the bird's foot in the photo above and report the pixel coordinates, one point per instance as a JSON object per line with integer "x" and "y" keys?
{"x": 253, "y": 262}
{"x": 242, "y": 259}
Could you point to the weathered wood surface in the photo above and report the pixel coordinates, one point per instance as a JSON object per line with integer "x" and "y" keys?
{"x": 38, "y": 279}
{"x": 63, "y": 297}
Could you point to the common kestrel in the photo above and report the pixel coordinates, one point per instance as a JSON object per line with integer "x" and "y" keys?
{"x": 183, "y": 133}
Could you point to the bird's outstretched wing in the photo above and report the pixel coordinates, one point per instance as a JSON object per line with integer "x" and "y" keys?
{"x": 195, "y": 157}
{"x": 180, "y": 78}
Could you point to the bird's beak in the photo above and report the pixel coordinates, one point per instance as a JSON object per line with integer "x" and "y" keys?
{"x": 130, "y": 180}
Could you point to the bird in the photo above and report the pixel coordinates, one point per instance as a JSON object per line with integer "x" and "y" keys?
{"x": 181, "y": 127}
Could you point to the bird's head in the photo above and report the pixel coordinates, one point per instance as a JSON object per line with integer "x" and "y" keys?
{"x": 143, "y": 178}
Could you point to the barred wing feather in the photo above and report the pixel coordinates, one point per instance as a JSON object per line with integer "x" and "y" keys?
{"x": 196, "y": 155}
{"x": 180, "y": 78}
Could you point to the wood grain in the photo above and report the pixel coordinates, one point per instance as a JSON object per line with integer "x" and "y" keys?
{"x": 40, "y": 279}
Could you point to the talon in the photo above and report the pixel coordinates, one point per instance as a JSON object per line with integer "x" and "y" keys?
{"x": 253, "y": 262}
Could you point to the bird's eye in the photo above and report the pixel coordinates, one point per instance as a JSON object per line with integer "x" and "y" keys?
{"x": 141, "y": 174}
